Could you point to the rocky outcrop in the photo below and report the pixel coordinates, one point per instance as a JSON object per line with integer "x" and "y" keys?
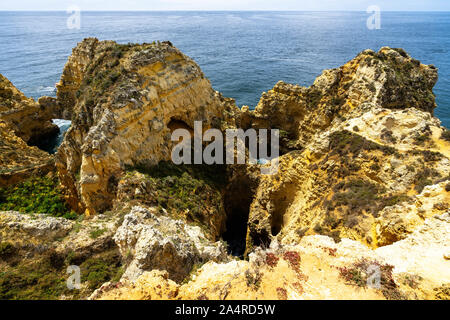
{"x": 125, "y": 100}
{"x": 65, "y": 236}
{"x": 359, "y": 207}
{"x": 23, "y": 125}
{"x": 365, "y": 164}
{"x": 399, "y": 221}
{"x": 390, "y": 79}
{"x": 18, "y": 227}
{"x": 178, "y": 195}
{"x": 315, "y": 268}
{"x": 359, "y": 173}
{"x": 24, "y": 116}
{"x": 153, "y": 285}
{"x": 424, "y": 253}
{"x": 150, "y": 242}
{"x": 18, "y": 161}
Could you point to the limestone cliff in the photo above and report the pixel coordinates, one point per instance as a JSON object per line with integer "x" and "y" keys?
{"x": 365, "y": 163}
{"x": 124, "y": 101}
{"x": 388, "y": 79}
{"x": 26, "y": 118}
{"x": 23, "y": 125}
{"x": 315, "y": 268}
{"x": 363, "y": 184}
{"x": 362, "y": 150}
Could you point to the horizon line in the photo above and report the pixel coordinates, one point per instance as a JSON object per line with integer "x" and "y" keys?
{"x": 201, "y": 10}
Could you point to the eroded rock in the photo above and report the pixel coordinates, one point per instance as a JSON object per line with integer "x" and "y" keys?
{"x": 315, "y": 268}
{"x": 361, "y": 152}
{"x": 151, "y": 242}
{"x": 125, "y": 100}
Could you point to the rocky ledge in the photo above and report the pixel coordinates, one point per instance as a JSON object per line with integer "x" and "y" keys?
{"x": 363, "y": 185}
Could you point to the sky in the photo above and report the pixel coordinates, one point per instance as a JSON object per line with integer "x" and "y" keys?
{"x": 298, "y": 5}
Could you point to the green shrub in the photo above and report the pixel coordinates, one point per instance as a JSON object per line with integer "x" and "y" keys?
{"x": 421, "y": 139}
{"x": 344, "y": 142}
{"x": 46, "y": 277}
{"x": 100, "y": 269}
{"x": 34, "y": 280}
{"x": 424, "y": 178}
{"x": 431, "y": 156}
{"x": 253, "y": 278}
{"x": 314, "y": 97}
{"x": 393, "y": 200}
{"x": 181, "y": 188}
{"x": 358, "y": 195}
{"x": 359, "y": 274}
{"x": 94, "y": 234}
{"x": 337, "y": 101}
{"x": 36, "y": 195}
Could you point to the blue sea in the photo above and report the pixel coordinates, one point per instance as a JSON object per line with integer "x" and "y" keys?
{"x": 242, "y": 53}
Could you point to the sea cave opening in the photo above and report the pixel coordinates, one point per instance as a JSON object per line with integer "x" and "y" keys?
{"x": 237, "y": 200}
{"x": 52, "y": 142}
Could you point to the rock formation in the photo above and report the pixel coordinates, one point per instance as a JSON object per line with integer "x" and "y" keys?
{"x": 26, "y": 118}
{"x": 161, "y": 243}
{"x": 315, "y": 268}
{"x": 23, "y": 124}
{"x": 388, "y": 79}
{"x": 360, "y": 151}
{"x": 363, "y": 185}
{"x": 124, "y": 101}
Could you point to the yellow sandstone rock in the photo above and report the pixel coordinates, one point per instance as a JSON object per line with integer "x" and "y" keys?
{"x": 124, "y": 101}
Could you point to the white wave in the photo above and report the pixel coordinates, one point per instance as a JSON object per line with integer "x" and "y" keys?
{"x": 61, "y": 122}
{"x": 47, "y": 89}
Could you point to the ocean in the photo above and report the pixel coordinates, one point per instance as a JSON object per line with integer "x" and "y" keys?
{"x": 242, "y": 53}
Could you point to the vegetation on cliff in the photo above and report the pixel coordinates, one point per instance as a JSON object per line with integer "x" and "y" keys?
{"x": 36, "y": 195}
{"x": 43, "y": 277}
{"x": 190, "y": 192}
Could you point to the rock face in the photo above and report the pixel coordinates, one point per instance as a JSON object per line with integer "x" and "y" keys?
{"x": 315, "y": 268}
{"x": 361, "y": 151}
{"x": 20, "y": 227}
{"x": 150, "y": 242}
{"x": 24, "y": 116}
{"x": 19, "y": 161}
{"x": 23, "y": 124}
{"x": 423, "y": 253}
{"x": 362, "y": 190}
{"x": 388, "y": 79}
{"x": 125, "y": 100}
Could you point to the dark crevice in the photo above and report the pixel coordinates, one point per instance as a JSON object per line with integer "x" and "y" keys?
{"x": 46, "y": 142}
{"x": 237, "y": 200}
{"x": 175, "y": 124}
{"x": 282, "y": 202}
{"x": 50, "y": 141}
{"x": 260, "y": 239}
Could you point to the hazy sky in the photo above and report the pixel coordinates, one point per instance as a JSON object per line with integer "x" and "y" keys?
{"x": 360, "y": 5}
